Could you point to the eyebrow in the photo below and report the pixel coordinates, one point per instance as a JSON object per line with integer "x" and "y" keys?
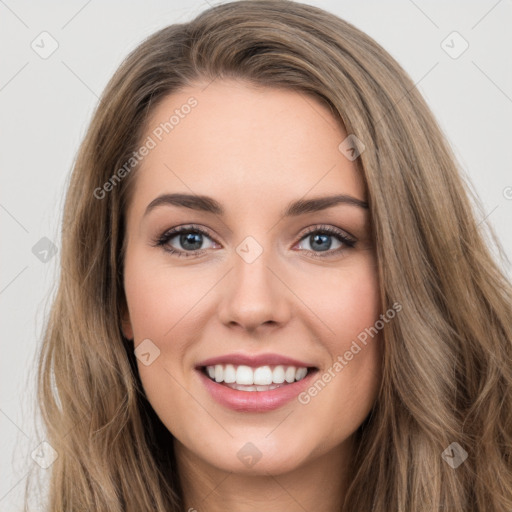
{"x": 294, "y": 209}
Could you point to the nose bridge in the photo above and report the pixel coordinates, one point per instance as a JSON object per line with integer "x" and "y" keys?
{"x": 255, "y": 295}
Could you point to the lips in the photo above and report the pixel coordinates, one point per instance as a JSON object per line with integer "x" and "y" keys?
{"x": 254, "y": 360}
{"x": 255, "y": 401}
{"x": 254, "y": 383}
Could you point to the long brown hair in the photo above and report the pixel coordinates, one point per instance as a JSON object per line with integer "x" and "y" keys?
{"x": 447, "y": 363}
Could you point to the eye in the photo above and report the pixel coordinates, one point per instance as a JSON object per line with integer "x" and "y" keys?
{"x": 191, "y": 239}
{"x": 319, "y": 239}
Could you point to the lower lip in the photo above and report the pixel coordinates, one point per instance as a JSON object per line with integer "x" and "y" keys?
{"x": 255, "y": 401}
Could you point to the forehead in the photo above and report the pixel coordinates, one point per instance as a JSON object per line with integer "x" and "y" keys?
{"x": 263, "y": 144}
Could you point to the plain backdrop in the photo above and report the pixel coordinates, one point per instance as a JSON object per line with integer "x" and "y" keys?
{"x": 47, "y": 100}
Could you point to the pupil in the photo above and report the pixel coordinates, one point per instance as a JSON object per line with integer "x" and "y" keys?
{"x": 318, "y": 238}
{"x": 191, "y": 238}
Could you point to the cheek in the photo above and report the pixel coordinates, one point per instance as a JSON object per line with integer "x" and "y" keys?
{"x": 160, "y": 299}
{"x": 161, "y": 306}
{"x": 349, "y": 309}
{"x": 346, "y": 302}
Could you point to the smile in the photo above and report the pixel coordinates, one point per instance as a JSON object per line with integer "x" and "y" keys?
{"x": 262, "y": 378}
{"x": 254, "y": 383}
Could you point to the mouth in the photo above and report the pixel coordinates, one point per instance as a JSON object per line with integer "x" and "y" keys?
{"x": 259, "y": 379}
{"x": 244, "y": 388}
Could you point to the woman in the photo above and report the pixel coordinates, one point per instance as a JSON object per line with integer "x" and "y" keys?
{"x": 262, "y": 367}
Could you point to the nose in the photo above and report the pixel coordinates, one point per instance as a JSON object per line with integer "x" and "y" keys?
{"x": 254, "y": 295}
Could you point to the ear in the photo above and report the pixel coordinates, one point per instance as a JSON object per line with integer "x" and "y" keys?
{"x": 126, "y": 324}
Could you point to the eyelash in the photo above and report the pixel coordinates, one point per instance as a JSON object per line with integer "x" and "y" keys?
{"x": 164, "y": 238}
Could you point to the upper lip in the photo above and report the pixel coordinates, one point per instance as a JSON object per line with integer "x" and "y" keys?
{"x": 254, "y": 361}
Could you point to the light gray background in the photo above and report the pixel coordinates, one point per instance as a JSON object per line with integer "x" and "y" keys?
{"x": 46, "y": 105}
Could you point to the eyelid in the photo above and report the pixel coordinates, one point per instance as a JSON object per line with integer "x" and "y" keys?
{"x": 330, "y": 229}
{"x": 176, "y": 230}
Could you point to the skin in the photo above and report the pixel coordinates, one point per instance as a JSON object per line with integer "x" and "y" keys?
{"x": 254, "y": 150}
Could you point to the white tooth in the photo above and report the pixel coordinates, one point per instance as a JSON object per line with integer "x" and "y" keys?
{"x": 290, "y": 374}
{"x": 244, "y": 388}
{"x": 219, "y": 373}
{"x": 263, "y": 376}
{"x": 278, "y": 375}
{"x": 300, "y": 373}
{"x": 267, "y": 388}
{"x": 229, "y": 374}
{"x": 244, "y": 375}
{"x": 241, "y": 387}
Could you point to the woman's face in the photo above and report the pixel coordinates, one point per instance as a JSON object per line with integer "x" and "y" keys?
{"x": 257, "y": 289}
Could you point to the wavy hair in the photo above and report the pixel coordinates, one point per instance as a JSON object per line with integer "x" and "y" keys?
{"x": 447, "y": 362}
